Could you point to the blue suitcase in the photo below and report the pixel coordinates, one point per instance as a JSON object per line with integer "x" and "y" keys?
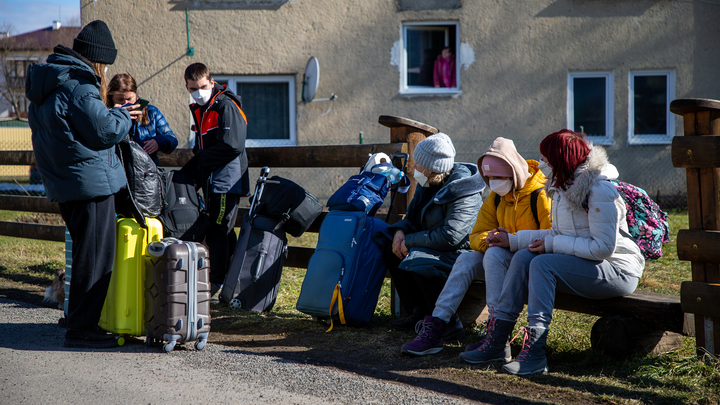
{"x": 346, "y": 272}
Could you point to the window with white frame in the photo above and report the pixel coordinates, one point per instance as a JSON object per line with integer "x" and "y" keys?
{"x": 590, "y": 105}
{"x": 650, "y": 94}
{"x": 429, "y": 62}
{"x": 269, "y": 105}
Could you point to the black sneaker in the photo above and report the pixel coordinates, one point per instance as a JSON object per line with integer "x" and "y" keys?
{"x": 90, "y": 339}
{"x": 453, "y": 329}
{"x": 407, "y": 323}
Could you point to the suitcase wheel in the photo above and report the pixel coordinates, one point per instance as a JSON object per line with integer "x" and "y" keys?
{"x": 169, "y": 346}
{"x": 235, "y": 304}
{"x": 156, "y": 249}
{"x": 200, "y": 344}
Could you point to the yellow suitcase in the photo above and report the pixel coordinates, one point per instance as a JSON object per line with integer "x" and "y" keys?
{"x": 124, "y": 309}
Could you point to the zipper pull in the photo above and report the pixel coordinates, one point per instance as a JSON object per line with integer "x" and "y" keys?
{"x": 353, "y": 242}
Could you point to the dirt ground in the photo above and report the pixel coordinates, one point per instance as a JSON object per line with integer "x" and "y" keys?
{"x": 374, "y": 352}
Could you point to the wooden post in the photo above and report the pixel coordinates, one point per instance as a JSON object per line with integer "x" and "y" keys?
{"x": 413, "y": 132}
{"x": 701, "y": 118}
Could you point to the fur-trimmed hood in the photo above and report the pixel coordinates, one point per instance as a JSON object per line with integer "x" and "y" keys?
{"x": 592, "y": 232}
{"x": 595, "y": 168}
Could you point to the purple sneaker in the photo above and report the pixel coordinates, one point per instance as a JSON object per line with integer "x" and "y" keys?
{"x": 429, "y": 339}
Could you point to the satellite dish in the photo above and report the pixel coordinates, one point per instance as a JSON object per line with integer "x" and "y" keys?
{"x": 311, "y": 79}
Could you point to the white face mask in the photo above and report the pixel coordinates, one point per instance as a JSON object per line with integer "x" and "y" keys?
{"x": 545, "y": 169}
{"x": 420, "y": 178}
{"x": 501, "y": 187}
{"x": 201, "y": 96}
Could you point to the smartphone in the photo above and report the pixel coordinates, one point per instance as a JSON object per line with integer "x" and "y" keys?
{"x": 143, "y": 103}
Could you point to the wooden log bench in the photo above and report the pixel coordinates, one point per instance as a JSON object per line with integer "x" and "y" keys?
{"x": 641, "y": 322}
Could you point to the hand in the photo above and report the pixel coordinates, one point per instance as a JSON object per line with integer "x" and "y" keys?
{"x": 537, "y": 246}
{"x": 498, "y": 237}
{"x": 398, "y": 245}
{"x": 134, "y": 110}
{"x": 150, "y": 146}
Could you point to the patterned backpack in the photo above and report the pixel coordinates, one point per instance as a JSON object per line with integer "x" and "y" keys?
{"x": 646, "y": 221}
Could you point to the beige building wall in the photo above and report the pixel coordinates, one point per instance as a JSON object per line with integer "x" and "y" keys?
{"x": 516, "y": 86}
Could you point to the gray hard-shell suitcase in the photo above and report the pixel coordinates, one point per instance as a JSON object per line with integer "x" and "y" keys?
{"x": 177, "y": 294}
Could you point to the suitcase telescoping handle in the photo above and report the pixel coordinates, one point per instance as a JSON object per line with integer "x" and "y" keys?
{"x": 259, "y": 186}
{"x": 399, "y": 188}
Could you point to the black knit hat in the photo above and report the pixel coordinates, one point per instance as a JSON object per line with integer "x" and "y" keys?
{"x": 95, "y": 43}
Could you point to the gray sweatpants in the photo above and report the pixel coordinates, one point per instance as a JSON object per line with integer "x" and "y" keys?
{"x": 534, "y": 278}
{"x": 490, "y": 266}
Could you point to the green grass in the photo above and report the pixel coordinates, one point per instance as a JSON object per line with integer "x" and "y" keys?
{"x": 679, "y": 377}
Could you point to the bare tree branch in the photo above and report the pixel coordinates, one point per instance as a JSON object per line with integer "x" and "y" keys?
{"x": 14, "y": 61}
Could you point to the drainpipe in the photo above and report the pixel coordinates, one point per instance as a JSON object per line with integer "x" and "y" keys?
{"x": 190, "y": 49}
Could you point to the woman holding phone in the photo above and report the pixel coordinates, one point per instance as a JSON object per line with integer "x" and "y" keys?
{"x": 150, "y": 129}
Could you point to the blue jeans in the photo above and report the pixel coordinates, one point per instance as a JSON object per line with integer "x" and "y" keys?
{"x": 535, "y": 277}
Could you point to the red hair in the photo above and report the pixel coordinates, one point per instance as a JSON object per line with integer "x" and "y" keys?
{"x": 564, "y": 151}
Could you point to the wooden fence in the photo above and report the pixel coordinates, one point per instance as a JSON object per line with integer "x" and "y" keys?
{"x": 647, "y": 321}
{"x": 699, "y": 153}
{"x": 404, "y": 135}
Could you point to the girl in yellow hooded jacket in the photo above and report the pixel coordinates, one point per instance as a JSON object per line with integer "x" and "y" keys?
{"x": 517, "y": 202}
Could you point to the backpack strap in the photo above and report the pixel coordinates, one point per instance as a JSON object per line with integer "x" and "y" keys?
{"x": 533, "y": 204}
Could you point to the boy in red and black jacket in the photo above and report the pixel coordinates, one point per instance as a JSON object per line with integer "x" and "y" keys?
{"x": 220, "y": 163}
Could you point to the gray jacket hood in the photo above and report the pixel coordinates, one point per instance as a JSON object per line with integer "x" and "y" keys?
{"x": 463, "y": 181}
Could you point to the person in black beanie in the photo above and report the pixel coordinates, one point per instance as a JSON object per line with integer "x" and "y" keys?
{"x": 74, "y": 136}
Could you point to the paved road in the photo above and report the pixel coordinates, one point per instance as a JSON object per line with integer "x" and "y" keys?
{"x": 36, "y": 369}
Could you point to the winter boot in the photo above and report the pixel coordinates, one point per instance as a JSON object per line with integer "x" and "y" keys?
{"x": 429, "y": 339}
{"x": 453, "y": 329}
{"x": 407, "y": 323}
{"x": 494, "y": 347}
{"x": 532, "y": 359}
{"x": 483, "y": 332}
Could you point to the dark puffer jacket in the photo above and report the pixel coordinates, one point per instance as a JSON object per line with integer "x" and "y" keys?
{"x": 437, "y": 232}
{"x": 73, "y": 132}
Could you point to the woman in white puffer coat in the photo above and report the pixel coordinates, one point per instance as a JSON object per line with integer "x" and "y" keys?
{"x": 585, "y": 252}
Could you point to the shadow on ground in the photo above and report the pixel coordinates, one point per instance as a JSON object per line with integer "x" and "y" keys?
{"x": 375, "y": 352}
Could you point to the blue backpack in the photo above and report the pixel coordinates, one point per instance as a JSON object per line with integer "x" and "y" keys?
{"x": 364, "y": 192}
{"x": 346, "y": 272}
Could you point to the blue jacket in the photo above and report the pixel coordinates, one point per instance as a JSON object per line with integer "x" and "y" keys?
{"x": 73, "y": 132}
{"x": 157, "y": 129}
